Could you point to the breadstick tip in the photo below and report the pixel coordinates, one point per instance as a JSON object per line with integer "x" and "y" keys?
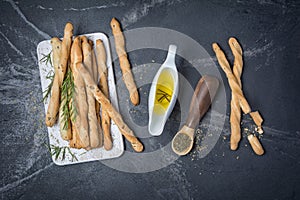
{"x": 83, "y": 39}
{"x": 137, "y": 146}
{"x": 68, "y": 29}
{"x": 115, "y": 25}
{"x": 77, "y": 50}
{"x": 77, "y": 41}
{"x": 215, "y": 47}
{"x": 114, "y": 22}
{"x": 232, "y": 40}
{"x": 134, "y": 97}
{"x": 91, "y": 43}
{"x": 85, "y": 45}
{"x": 234, "y": 43}
{"x": 55, "y": 39}
{"x": 107, "y": 145}
{"x": 255, "y": 144}
{"x": 233, "y": 146}
{"x": 99, "y": 42}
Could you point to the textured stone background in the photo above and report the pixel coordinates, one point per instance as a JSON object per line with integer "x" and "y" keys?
{"x": 269, "y": 33}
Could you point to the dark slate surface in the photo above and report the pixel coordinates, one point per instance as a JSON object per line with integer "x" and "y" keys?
{"x": 269, "y": 33}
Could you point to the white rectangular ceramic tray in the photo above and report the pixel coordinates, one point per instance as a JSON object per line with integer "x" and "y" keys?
{"x": 55, "y": 139}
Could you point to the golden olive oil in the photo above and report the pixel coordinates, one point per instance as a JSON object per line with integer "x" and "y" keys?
{"x": 164, "y": 92}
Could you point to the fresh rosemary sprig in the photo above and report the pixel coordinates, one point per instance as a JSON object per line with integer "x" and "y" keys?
{"x": 164, "y": 95}
{"x": 56, "y": 151}
{"x": 47, "y": 92}
{"x": 72, "y": 155}
{"x": 67, "y": 99}
{"x": 47, "y": 59}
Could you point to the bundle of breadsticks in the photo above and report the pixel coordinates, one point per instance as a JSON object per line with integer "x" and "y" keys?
{"x": 79, "y": 88}
{"x": 238, "y": 100}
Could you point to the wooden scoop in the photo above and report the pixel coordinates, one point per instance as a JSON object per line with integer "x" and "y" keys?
{"x": 204, "y": 93}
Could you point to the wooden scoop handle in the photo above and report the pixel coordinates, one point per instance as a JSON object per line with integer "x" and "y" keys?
{"x": 203, "y": 96}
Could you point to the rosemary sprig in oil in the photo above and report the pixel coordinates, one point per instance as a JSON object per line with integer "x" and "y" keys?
{"x": 164, "y": 96}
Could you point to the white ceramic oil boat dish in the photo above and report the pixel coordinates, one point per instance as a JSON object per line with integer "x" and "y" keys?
{"x": 163, "y": 93}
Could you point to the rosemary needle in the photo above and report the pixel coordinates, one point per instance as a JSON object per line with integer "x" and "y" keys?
{"x": 57, "y": 153}
{"x": 63, "y": 154}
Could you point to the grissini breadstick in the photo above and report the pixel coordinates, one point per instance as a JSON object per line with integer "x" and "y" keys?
{"x": 56, "y": 51}
{"x": 87, "y": 54}
{"x": 102, "y": 69}
{"x": 73, "y": 113}
{"x": 94, "y": 61}
{"x": 53, "y": 106}
{"x": 124, "y": 63}
{"x": 94, "y": 129}
{"x": 235, "y": 120}
{"x": 81, "y": 121}
{"x": 237, "y": 52}
{"x": 62, "y": 70}
{"x": 233, "y": 83}
{"x": 255, "y": 144}
{"x": 235, "y": 115}
{"x": 63, "y": 60}
{"x": 95, "y": 73}
{"x": 65, "y": 51}
{"x": 105, "y": 103}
